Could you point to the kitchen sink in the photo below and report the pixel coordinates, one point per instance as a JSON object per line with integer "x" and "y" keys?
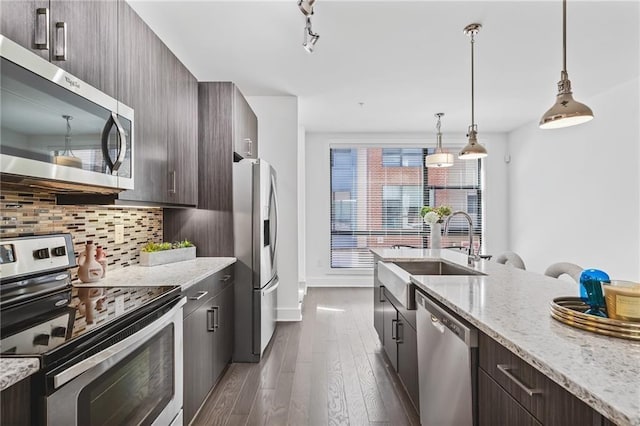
{"x": 435, "y": 268}
{"x": 396, "y": 276}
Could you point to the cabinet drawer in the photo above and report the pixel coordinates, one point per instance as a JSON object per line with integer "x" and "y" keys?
{"x": 497, "y": 407}
{"x": 200, "y": 292}
{"x": 546, "y": 400}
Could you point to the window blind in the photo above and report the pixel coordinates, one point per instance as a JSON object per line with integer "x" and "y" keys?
{"x": 377, "y": 194}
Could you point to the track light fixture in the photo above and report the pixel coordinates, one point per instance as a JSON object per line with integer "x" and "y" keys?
{"x": 306, "y": 7}
{"x": 566, "y": 111}
{"x": 439, "y": 158}
{"x": 310, "y": 38}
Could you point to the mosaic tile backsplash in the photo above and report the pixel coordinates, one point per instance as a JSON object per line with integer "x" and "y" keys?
{"x": 36, "y": 213}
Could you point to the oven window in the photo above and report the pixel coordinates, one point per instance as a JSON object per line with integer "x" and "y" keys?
{"x": 134, "y": 391}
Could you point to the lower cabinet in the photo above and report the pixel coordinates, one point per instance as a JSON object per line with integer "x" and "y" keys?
{"x": 378, "y": 301}
{"x": 408, "y": 359}
{"x": 497, "y": 407}
{"x": 16, "y": 407}
{"x": 511, "y": 391}
{"x": 400, "y": 344}
{"x": 208, "y": 338}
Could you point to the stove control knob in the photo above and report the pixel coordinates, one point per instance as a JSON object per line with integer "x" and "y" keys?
{"x": 41, "y": 340}
{"x": 59, "y": 332}
{"x": 41, "y": 253}
{"x": 59, "y": 251}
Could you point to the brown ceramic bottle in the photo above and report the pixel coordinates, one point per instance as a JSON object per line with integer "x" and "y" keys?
{"x": 89, "y": 270}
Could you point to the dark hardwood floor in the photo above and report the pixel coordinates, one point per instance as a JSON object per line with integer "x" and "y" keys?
{"x": 328, "y": 369}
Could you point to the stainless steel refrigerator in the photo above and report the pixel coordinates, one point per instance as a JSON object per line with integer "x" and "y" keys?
{"x": 255, "y": 222}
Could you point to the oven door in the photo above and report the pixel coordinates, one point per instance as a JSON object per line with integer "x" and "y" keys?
{"x": 137, "y": 381}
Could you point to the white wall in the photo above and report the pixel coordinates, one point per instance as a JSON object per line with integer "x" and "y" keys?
{"x": 575, "y": 192}
{"x": 278, "y": 144}
{"x": 319, "y": 272}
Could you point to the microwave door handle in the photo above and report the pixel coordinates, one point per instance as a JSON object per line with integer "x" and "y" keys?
{"x": 122, "y": 138}
{"x": 122, "y": 149}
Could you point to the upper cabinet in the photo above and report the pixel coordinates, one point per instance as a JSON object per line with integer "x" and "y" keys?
{"x": 78, "y": 36}
{"x": 227, "y": 130}
{"x": 245, "y": 127}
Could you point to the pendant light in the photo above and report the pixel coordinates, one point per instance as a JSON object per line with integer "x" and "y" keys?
{"x": 473, "y": 150}
{"x": 566, "y": 111}
{"x": 439, "y": 158}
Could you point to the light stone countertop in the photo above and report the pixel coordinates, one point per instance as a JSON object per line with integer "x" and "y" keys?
{"x": 512, "y": 306}
{"x": 183, "y": 274}
{"x": 12, "y": 370}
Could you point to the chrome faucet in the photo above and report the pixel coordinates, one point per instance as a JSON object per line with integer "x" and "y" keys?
{"x": 471, "y": 256}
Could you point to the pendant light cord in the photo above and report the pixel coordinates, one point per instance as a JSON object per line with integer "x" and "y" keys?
{"x": 473, "y": 122}
{"x": 564, "y": 36}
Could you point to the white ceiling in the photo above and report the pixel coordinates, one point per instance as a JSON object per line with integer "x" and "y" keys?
{"x": 404, "y": 60}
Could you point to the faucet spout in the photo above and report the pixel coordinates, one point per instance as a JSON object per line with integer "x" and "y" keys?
{"x": 471, "y": 256}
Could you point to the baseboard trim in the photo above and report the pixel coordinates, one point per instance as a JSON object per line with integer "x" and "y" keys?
{"x": 340, "y": 281}
{"x": 289, "y": 314}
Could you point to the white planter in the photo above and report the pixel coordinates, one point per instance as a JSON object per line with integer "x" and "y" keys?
{"x": 167, "y": 256}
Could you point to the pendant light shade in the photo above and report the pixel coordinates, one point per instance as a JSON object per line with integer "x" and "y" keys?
{"x": 566, "y": 111}
{"x": 473, "y": 150}
{"x": 439, "y": 158}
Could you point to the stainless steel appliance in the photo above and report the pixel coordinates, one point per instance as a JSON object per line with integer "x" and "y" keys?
{"x": 255, "y": 216}
{"x": 121, "y": 363}
{"x": 447, "y": 366}
{"x": 59, "y": 132}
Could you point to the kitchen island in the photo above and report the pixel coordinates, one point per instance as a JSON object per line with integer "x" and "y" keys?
{"x": 512, "y": 307}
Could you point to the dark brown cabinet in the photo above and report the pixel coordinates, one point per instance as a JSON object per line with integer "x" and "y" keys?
{"x": 78, "y": 36}
{"x": 390, "y": 320}
{"x": 27, "y": 23}
{"x": 16, "y": 407}
{"x": 407, "y": 340}
{"x": 163, "y": 94}
{"x": 399, "y": 340}
{"x": 245, "y": 127}
{"x": 513, "y": 388}
{"x": 208, "y": 337}
{"x": 378, "y": 301}
{"x": 497, "y": 407}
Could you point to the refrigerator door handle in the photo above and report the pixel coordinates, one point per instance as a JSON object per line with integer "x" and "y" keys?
{"x": 274, "y": 194}
{"x": 271, "y": 288}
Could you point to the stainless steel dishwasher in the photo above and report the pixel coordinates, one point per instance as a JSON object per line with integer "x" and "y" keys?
{"x": 447, "y": 366}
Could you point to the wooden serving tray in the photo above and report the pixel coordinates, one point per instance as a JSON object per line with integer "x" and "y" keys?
{"x": 570, "y": 311}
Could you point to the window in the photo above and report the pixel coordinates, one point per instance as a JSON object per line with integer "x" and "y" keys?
{"x": 402, "y": 157}
{"x": 377, "y": 194}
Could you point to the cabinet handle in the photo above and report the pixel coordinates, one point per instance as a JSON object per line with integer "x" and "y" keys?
{"x": 506, "y": 370}
{"x": 60, "y": 53}
{"x": 394, "y": 327}
{"x": 399, "y": 336}
{"x": 41, "y": 43}
{"x": 382, "y": 299}
{"x": 199, "y": 296}
{"x": 249, "y": 145}
{"x": 172, "y": 178}
{"x": 210, "y": 319}
{"x": 225, "y": 278}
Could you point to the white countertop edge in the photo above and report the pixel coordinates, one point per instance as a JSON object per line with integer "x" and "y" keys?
{"x": 16, "y": 369}
{"x": 184, "y": 274}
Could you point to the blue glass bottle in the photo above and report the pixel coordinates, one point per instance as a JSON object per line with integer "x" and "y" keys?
{"x": 591, "y": 290}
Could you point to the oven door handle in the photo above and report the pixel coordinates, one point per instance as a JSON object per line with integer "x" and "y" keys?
{"x": 79, "y": 368}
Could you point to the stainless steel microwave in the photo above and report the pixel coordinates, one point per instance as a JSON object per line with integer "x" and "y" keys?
{"x": 59, "y": 132}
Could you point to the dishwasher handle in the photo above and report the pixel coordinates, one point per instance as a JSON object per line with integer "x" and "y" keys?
{"x": 461, "y": 329}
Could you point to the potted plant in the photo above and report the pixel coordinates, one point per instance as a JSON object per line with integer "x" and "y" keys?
{"x": 434, "y": 217}
{"x": 153, "y": 254}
